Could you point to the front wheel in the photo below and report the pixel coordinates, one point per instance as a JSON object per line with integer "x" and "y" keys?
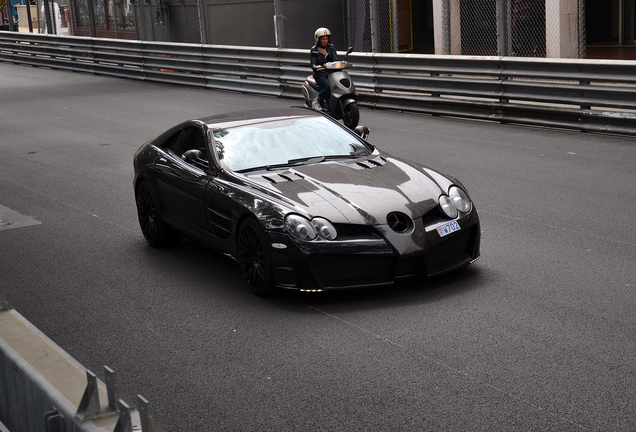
{"x": 351, "y": 115}
{"x": 254, "y": 259}
{"x": 156, "y": 232}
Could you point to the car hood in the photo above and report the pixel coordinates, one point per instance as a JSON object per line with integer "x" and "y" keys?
{"x": 363, "y": 191}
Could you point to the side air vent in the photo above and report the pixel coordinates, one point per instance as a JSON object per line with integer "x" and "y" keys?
{"x": 399, "y": 222}
{"x": 345, "y": 83}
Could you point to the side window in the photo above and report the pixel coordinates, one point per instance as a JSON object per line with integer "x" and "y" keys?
{"x": 186, "y": 139}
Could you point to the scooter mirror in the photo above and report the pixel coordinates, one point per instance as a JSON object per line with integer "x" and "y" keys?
{"x": 349, "y": 51}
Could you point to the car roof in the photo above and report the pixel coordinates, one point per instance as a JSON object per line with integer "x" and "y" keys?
{"x": 245, "y": 117}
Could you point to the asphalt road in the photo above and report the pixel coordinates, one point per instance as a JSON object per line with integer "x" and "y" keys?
{"x": 539, "y": 334}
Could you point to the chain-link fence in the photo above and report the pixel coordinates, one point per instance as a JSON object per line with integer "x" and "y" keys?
{"x": 523, "y": 28}
{"x": 372, "y": 26}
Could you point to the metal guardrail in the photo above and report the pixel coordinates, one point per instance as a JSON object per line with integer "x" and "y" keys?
{"x": 37, "y": 392}
{"x": 586, "y": 95}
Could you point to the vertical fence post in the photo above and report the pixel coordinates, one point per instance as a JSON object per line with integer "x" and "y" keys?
{"x": 502, "y": 48}
{"x": 47, "y": 16}
{"x": 91, "y": 18}
{"x": 279, "y": 32}
{"x": 446, "y": 19}
{"x": 203, "y": 33}
{"x": 582, "y": 38}
{"x": 9, "y": 9}
{"x": 395, "y": 31}
{"x": 375, "y": 26}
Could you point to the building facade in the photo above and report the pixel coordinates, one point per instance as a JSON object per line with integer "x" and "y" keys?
{"x": 536, "y": 28}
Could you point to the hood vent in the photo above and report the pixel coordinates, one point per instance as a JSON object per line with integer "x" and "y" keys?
{"x": 399, "y": 222}
{"x": 287, "y": 176}
{"x": 370, "y": 163}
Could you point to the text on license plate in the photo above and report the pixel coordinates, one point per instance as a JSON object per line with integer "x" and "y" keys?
{"x": 448, "y": 228}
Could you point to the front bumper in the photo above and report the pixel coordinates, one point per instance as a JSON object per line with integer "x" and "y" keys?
{"x": 372, "y": 262}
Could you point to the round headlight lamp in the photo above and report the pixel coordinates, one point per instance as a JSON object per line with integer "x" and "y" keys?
{"x": 300, "y": 227}
{"x": 449, "y": 209}
{"x": 324, "y": 228}
{"x": 460, "y": 199}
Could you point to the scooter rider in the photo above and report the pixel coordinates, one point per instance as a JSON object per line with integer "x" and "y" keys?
{"x": 324, "y": 51}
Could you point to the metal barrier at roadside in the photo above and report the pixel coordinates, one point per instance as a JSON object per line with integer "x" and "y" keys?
{"x": 42, "y": 388}
{"x": 586, "y": 95}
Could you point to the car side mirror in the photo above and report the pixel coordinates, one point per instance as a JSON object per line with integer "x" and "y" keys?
{"x": 191, "y": 156}
{"x": 196, "y": 157}
{"x": 363, "y": 131}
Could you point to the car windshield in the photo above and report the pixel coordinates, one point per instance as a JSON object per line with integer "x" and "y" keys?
{"x": 289, "y": 141}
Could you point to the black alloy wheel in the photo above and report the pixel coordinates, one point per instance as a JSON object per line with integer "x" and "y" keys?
{"x": 254, "y": 259}
{"x": 156, "y": 232}
{"x": 351, "y": 115}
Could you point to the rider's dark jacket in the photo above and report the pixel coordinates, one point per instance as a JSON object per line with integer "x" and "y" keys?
{"x": 318, "y": 59}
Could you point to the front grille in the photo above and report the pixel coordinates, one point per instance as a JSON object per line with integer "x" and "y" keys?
{"x": 347, "y": 270}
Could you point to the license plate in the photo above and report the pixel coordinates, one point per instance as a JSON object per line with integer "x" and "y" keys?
{"x": 448, "y": 228}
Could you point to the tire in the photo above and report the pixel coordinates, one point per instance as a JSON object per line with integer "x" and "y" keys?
{"x": 351, "y": 115}
{"x": 254, "y": 259}
{"x": 156, "y": 232}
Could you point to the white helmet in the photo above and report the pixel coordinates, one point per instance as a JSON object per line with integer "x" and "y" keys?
{"x": 322, "y": 31}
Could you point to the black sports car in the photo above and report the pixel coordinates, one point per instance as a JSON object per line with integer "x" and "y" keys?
{"x": 302, "y": 202}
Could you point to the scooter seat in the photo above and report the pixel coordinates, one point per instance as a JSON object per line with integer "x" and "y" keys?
{"x": 312, "y": 82}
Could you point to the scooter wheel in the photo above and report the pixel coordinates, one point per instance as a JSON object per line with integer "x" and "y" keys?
{"x": 351, "y": 115}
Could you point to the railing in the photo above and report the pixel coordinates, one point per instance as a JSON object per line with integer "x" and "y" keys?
{"x": 586, "y": 95}
{"x": 32, "y": 397}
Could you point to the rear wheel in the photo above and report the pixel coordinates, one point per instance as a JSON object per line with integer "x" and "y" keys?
{"x": 351, "y": 115}
{"x": 254, "y": 258}
{"x": 156, "y": 232}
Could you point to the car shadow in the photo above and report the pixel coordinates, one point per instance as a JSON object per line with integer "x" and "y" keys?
{"x": 421, "y": 290}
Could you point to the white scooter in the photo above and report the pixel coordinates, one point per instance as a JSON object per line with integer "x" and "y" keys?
{"x": 343, "y": 102}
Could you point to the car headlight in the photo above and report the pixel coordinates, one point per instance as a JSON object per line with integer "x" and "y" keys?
{"x": 449, "y": 209}
{"x": 306, "y": 230}
{"x": 460, "y": 199}
{"x": 324, "y": 228}
{"x": 300, "y": 227}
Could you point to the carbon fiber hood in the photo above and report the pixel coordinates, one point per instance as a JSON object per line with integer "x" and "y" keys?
{"x": 362, "y": 191}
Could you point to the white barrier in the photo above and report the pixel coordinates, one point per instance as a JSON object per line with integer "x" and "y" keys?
{"x": 43, "y": 389}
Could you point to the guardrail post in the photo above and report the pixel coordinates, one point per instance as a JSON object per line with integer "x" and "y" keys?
{"x": 583, "y": 83}
{"x": 54, "y": 422}
{"x": 148, "y": 424}
{"x": 114, "y": 394}
{"x": 4, "y": 304}
{"x": 89, "y": 407}
{"x": 124, "y": 423}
